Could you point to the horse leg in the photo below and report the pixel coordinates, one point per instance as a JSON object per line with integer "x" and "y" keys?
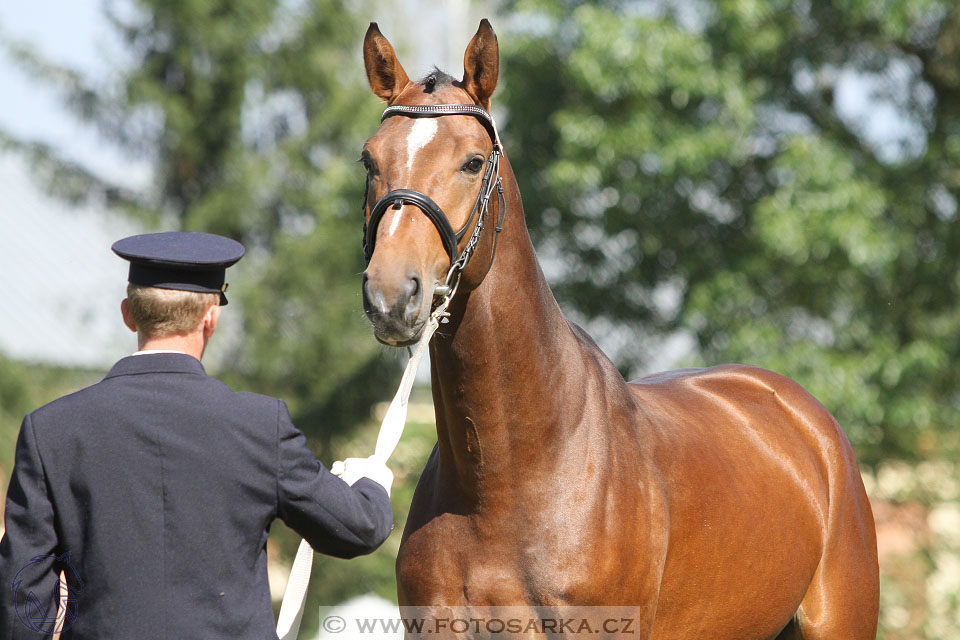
{"x": 836, "y": 610}
{"x": 843, "y": 599}
{"x": 840, "y": 612}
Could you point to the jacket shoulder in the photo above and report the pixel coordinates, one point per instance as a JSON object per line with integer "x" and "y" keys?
{"x": 66, "y": 404}
{"x": 115, "y": 395}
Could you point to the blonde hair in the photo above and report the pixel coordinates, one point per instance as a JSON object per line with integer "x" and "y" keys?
{"x": 159, "y": 313}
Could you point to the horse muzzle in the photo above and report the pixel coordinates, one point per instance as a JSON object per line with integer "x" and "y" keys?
{"x": 398, "y": 310}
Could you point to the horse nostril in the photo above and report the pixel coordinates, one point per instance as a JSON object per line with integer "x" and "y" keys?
{"x": 414, "y": 296}
{"x": 373, "y": 302}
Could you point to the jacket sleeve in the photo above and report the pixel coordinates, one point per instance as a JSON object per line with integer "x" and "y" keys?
{"x": 28, "y": 565}
{"x": 335, "y": 518}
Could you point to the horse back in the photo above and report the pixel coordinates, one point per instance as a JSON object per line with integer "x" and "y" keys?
{"x": 746, "y": 417}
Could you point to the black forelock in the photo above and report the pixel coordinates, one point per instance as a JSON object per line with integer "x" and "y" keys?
{"x": 436, "y": 79}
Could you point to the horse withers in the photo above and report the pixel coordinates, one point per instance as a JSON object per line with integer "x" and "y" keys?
{"x": 718, "y": 504}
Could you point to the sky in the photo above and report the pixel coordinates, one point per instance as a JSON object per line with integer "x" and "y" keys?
{"x": 62, "y": 286}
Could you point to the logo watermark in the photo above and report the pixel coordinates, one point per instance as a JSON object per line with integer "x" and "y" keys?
{"x": 495, "y": 623}
{"x": 33, "y": 586}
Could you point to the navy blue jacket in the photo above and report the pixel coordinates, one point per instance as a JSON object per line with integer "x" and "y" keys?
{"x": 161, "y": 484}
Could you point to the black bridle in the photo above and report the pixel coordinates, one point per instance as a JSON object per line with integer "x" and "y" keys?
{"x": 451, "y": 239}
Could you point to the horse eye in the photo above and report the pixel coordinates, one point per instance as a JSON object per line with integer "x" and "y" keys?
{"x": 474, "y": 165}
{"x": 367, "y": 162}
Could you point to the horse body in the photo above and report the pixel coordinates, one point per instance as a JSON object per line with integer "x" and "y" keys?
{"x": 747, "y": 499}
{"x": 721, "y": 503}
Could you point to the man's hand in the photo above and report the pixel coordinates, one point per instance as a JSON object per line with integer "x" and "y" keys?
{"x": 352, "y": 469}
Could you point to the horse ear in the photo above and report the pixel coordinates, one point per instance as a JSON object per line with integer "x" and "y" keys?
{"x": 481, "y": 64}
{"x": 384, "y": 72}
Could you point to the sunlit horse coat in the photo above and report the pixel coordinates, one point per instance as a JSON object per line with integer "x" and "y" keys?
{"x": 714, "y": 504}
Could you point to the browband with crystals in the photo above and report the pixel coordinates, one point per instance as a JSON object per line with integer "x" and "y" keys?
{"x": 437, "y": 110}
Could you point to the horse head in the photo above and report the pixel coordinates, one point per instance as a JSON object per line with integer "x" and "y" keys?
{"x": 428, "y": 169}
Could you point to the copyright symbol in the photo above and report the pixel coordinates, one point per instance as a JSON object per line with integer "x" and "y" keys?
{"x": 334, "y": 624}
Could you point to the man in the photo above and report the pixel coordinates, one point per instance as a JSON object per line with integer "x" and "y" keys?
{"x": 154, "y": 489}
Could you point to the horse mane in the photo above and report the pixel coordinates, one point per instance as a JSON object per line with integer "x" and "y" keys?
{"x": 436, "y": 79}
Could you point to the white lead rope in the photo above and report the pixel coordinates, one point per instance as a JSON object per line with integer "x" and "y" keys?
{"x": 295, "y": 594}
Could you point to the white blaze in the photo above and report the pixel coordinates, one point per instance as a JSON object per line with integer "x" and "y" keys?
{"x": 421, "y": 133}
{"x": 395, "y": 222}
{"x": 420, "y": 136}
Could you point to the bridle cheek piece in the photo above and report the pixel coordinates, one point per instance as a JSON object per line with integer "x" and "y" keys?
{"x": 451, "y": 239}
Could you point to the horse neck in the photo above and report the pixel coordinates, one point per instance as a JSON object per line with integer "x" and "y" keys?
{"x": 497, "y": 377}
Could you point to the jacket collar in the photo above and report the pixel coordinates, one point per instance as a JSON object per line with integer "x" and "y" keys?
{"x": 157, "y": 363}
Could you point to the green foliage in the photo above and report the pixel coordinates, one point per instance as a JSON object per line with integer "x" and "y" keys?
{"x": 695, "y": 171}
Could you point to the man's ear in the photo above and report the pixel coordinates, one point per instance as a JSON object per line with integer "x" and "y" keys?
{"x": 127, "y": 315}
{"x": 210, "y": 320}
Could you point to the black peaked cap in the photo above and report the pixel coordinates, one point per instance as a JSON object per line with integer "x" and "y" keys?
{"x": 183, "y": 260}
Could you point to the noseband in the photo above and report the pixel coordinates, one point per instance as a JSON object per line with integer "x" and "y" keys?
{"x": 397, "y": 198}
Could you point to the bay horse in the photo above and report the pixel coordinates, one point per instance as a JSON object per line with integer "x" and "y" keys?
{"x": 720, "y": 503}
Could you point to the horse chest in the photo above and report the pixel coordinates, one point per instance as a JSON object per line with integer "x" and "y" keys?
{"x": 550, "y": 561}
{"x": 444, "y": 561}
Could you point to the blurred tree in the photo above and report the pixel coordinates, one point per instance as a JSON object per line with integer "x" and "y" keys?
{"x": 695, "y": 170}
{"x": 252, "y": 114}
{"x": 14, "y": 398}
